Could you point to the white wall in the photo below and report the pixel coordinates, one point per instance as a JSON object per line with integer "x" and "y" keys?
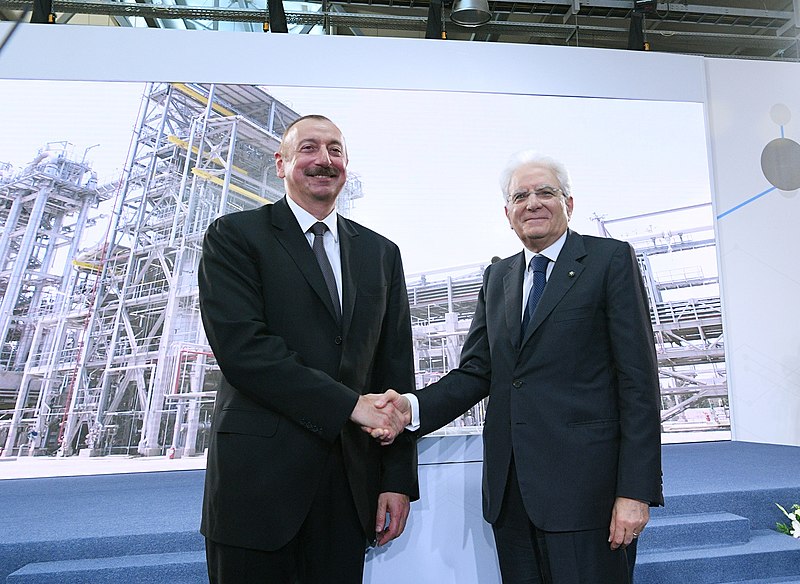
{"x": 127, "y": 54}
{"x": 758, "y": 244}
{"x": 446, "y": 539}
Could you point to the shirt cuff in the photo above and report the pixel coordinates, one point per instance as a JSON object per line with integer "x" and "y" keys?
{"x": 412, "y": 399}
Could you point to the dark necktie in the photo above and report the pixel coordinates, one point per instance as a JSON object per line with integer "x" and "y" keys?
{"x": 319, "y": 229}
{"x": 539, "y": 267}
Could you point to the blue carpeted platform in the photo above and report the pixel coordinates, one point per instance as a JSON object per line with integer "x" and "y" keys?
{"x": 718, "y": 522}
{"x": 68, "y": 518}
{"x": 175, "y": 568}
{"x": 717, "y": 525}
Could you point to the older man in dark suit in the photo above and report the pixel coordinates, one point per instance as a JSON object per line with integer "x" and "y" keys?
{"x": 306, "y": 312}
{"x": 562, "y": 344}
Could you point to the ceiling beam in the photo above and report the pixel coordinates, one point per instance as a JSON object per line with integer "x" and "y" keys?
{"x": 603, "y": 23}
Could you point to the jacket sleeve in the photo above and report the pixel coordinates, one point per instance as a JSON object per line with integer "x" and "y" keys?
{"x": 461, "y": 388}
{"x": 394, "y": 369}
{"x": 636, "y": 366}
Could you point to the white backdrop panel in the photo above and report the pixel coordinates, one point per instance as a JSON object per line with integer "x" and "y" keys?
{"x": 758, "y": 230}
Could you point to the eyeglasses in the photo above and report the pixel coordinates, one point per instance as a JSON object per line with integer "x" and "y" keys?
{"x": 543, "y": 194}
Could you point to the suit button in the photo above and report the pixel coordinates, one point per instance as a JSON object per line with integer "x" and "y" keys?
{"x": 338, "y": 340}
{"x": 517, "y": 383}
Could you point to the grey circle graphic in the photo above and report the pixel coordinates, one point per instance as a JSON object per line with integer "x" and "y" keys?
{"x": 780, "y": 114}
{"x": 780, "y": 163}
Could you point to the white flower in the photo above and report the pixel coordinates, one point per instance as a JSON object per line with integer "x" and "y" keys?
{"x": 793, "y": 516}
{"x": 795, "y": 528}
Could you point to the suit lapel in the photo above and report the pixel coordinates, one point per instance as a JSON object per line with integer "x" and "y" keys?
{"x": 512, "y": 285}
{"x": 352, "y": 256}
{"x": 566, "y": 272}
{"x": 288, "y": 233}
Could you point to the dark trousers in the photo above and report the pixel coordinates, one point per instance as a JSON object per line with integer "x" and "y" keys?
{"x": 528, "y": 555}
{"x": 328, "y": 549}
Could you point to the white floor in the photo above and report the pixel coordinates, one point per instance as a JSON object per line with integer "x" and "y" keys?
{"x": 22, "y": 467}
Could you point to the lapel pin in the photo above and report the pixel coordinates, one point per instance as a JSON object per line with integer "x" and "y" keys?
{"x": 571, "y": 274}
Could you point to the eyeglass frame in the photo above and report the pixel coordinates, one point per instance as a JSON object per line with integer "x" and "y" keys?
{"x": 543, "y": 197}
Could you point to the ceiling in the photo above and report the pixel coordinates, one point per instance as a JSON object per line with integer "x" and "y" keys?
{"x": 748, "y": 29}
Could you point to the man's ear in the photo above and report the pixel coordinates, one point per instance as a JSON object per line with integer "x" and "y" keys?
{"x": 279, "y": 165}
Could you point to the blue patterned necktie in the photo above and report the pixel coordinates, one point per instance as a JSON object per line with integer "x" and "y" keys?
{"x": 319, "y": 229}
{"x": 539, "y": 267}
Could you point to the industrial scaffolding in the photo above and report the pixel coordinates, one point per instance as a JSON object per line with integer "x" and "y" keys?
{"x": 110, "y": 355}
{"x": 44, "y": 209}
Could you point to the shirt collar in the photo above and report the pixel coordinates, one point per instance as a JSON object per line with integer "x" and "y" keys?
{"x": 306, "y": 219}
{"x": 551, "y": 252}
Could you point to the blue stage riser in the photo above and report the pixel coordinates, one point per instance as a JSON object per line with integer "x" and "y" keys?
{"x": 718, "y": 525}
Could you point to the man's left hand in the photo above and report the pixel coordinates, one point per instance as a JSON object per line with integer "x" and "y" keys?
{"x": 628, "y": 519}
{"x": 396, "y": 506}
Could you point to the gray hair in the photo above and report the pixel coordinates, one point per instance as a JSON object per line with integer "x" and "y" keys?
{"x": 525, "y": 157}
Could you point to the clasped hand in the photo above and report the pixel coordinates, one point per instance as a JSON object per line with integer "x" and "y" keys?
{"x": 382, "y": 416}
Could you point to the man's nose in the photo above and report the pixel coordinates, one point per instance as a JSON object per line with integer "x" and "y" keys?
{"x": 533, "y": 202}
{"x": 324, "y": 158}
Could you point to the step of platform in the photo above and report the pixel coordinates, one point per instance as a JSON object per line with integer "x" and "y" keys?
{"x": 669, "y": 532}
{"x": 767, "y": 555}
{"x": 15, "y": 555}
{"x": 779, "y": 580}
{"x": 175, "y": 568}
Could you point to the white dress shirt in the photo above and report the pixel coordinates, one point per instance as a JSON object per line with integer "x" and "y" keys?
{"x": 330, "y": 239}
{"x": 551, "y": 253}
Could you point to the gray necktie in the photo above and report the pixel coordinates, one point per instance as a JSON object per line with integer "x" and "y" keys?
{"x": 539, "y": 267}
{"x": 319, "y": 229}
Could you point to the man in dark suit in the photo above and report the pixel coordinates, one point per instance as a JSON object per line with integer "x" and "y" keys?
{"x": 572, "y": 435}
{"x": 306, "y": 312}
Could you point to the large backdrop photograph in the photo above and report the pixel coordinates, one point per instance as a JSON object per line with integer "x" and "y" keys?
{"x": 108, "y": 187}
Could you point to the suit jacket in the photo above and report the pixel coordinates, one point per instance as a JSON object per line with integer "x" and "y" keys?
{"x": 576, "y": 400}
{"x": 292, "y": 375}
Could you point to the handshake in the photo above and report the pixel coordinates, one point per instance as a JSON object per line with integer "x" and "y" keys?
{"x": 382, "y": 416}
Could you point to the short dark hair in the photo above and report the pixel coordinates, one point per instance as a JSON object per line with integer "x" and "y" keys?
{"x": 318, "y": 117}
